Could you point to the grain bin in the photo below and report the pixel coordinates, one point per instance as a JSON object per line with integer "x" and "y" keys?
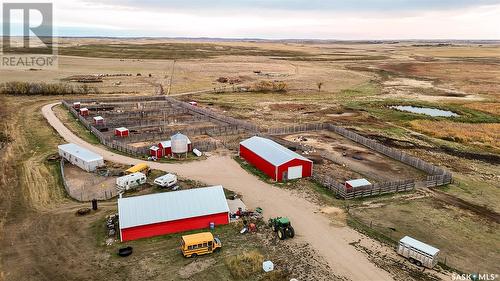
{"x": 179, "y": 143}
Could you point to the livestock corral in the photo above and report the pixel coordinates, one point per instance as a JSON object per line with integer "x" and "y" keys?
{"x": 143, "y": 126}
{"x": 135, "y": 125}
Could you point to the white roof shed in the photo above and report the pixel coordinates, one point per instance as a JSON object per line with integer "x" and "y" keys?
{"x": 358, "y": 183}
{"x": 271, "y": 151}
{"x": 81, "y": 157}
{"x": 170, "y": 206}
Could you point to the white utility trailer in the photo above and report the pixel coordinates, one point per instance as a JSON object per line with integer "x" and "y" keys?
{"x": 418, "y": 252}
{"x": 167, "y": 180}
{"x": 130, "y": 181}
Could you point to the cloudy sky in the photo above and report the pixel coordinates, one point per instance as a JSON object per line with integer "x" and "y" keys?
{"x": 279, "y": 19}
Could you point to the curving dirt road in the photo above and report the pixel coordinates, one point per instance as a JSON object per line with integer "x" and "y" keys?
{"x": 329, "y": 241}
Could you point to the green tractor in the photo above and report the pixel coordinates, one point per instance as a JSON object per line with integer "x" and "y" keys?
{"x": 282, "y": 227}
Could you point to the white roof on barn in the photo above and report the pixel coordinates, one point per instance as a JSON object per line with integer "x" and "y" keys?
{"x": 358, "y": 182}
{"x": 98, "y": 118}
{"x": 419, "y": 245}
{"x": 166, "y": 144}
{"x": 154, "y": 147}
{"x": 121, "y": 129}
{"x": 80, "y": 152}
{"x": 84, "y": 109}
{"x": 271, "y": 151}
{"x": 169, "y": 206}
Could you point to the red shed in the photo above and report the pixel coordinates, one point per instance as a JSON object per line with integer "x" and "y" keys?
{"x": 156, "y": 151}
{"x": 171, "y": 212}
{"x": 84, "y": 111}
{"x": 121, "y": 132}
{"x": 275, "y": 160}
{"x": 98, "y": 121}
{"x": 77, "y": 105}
{"x": 166, "y": 147}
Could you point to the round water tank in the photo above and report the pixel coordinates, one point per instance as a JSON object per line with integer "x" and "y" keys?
{"x": 179, "y": 143}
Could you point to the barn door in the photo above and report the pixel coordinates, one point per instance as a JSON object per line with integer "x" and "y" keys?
{"x": 294, "y": 172}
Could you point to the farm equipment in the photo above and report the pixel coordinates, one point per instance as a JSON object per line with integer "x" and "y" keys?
{"x": 282, "y": 227}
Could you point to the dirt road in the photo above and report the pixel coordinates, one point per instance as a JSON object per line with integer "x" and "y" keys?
{"x": 312, "y": 227}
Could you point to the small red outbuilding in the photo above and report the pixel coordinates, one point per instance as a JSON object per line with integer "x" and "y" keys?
{"x": 171, "y": 212}
{"x": 121, "y": 132}
{"x": 98, "y": 121}
{"x": 275, "y": 160}
{"x": 156, "y": 151}
{"x": 84, "y": 111}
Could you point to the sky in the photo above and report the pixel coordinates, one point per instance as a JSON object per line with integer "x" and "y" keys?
{"x": 276, "y": 19}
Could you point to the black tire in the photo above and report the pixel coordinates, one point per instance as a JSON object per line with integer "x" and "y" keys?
{"x": 281, "y": 234}
{"x": 290, "y": 232}
{"x": 418, "y": 263}
{"x": 412, "y": 260}
{"x": 194, "y": 255}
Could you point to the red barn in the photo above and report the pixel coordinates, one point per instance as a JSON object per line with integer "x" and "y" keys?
{"x": 166, "y": 147}
{"x": 275, "y": 160}
{"x": 171, "y": 212}
{"x": 121, "y": 132}
{"x": 156, "y": 151}
{"x": 77, "y": 105}
{"x": 84, "y": 111}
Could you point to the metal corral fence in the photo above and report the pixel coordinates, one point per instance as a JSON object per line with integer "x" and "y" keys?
{"x": 206, "y": 112}
{"x": 366, "y": 191}
{"x": 81, "y": 193}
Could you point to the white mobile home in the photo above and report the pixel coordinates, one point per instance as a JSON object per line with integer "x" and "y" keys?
{"x": 81, "y": 157}
{"x": 418, "y": 252}
{"x": 130, "y": 181}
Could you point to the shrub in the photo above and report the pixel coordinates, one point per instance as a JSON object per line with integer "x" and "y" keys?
{"x": 268, "y": 86}
{"x": 45, "y": 89}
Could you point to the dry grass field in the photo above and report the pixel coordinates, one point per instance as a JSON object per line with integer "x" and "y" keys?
{"x": 359, "y": 83}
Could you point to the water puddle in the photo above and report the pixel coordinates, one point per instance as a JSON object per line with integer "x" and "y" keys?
{"x": 434, "y": 112}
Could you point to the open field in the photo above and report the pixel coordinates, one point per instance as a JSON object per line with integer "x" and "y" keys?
{"x": 360, "y": 81}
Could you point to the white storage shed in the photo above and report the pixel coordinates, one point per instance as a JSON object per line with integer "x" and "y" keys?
{"x": 81, "y": 157}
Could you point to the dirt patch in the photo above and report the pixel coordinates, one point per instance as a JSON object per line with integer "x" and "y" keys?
{"x": 85, "y": 186}
{"x": 355, "y": 157}
{"x": 195, "y": 267}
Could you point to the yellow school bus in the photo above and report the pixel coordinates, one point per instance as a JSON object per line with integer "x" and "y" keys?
{"x": 139, "y": 168}
{"x": 199, "y": 244}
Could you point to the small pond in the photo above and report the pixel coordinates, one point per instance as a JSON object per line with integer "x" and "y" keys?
{"x": 434, "y": 112}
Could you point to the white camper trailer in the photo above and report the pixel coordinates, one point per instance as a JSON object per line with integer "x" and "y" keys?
{"x": 418, "y": 252}
{"x": 130, "y": 181}
{"x": 167, "y": 180}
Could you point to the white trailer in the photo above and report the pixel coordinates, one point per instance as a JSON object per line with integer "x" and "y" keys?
{"x": 81, "y": 157}
{"x": 167, "y": 180}
{"x": 418, "y": 252}
{"x": 130, "y": 181}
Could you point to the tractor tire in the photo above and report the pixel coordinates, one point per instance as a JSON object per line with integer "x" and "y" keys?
{"x": 290, "y": 232}
{"x": 274, "y": 228}
{"x": 281, "y": 234}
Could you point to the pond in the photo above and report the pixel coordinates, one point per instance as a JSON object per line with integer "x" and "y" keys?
{"x": 434, "y": 112}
